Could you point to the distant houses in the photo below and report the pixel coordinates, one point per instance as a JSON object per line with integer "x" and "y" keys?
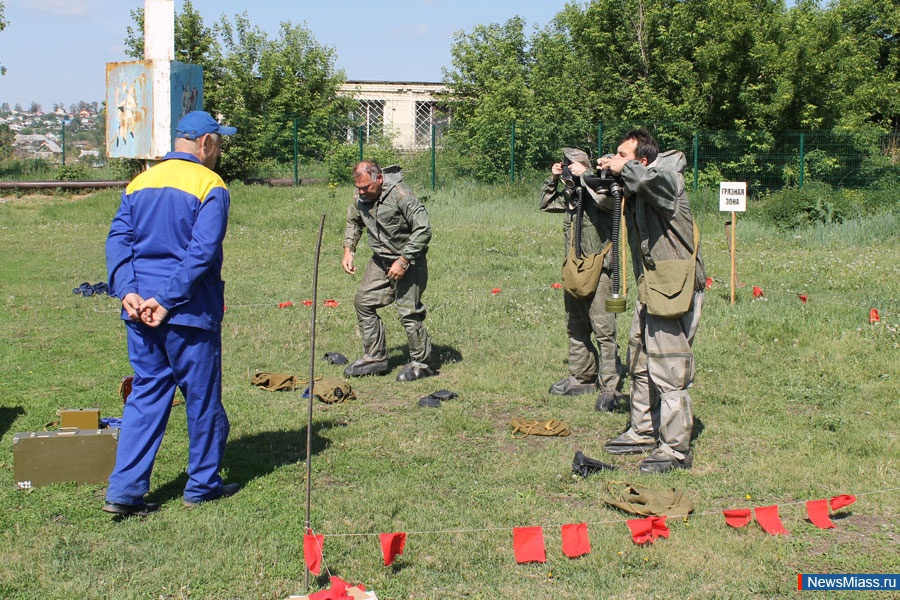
{"x": 36, "y": 145}
{"x": 38, "y": 135}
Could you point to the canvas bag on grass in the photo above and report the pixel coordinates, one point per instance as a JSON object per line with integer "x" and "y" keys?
{"x": 329, "y": 389}
{"x": 668, "y": 290}
{"x": 274, "y": 382}
{"x": 641, "y": 500}
{"x": 582, "y": 275}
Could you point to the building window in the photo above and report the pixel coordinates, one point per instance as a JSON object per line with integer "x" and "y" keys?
{"x": 428, "y": 114}
{"x": 424, "y": 121}
{"x": 369, "y": 116}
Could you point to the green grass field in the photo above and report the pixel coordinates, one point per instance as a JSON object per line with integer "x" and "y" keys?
{"x": 793, "y": 402}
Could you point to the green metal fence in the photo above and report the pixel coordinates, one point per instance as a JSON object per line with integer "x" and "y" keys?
{"x": 300, "y": 150}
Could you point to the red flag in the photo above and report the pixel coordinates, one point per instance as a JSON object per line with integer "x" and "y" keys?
{"x": 556, "y": 286}
{"x": 768, "y": 519}
{"x": 873, "y": 316}
{"x": 841, "y": 501}
{"x": 331, "y": 303}
{"x": 312, "y": 552}
{"x": 285, "y": 304}
{"x": 392, "y": 545}
{"x": 803, "y": 298}
{"x": 495, "y": 291}
{"x": 737, "y": 517}
{"x": 645, "y": 531}
{"x": 307, "y": 303}
{"x": 337, "y": 591}
{"x": 575, "y": 540}
{"x": 709, "y": 282}
{"x": 757, "y": 292}
{"x": 817, "y": 513}
{"x": 528, "y": 544}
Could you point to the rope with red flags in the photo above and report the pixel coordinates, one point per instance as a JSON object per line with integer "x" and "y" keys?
{"x": 529, "y": 545}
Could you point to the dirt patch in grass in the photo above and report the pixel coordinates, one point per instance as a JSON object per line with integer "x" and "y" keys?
{"x": 870, "y": 541}
{"x": 37, "y": 199}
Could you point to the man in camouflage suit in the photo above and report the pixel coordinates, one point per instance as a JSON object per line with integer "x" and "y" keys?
{"x": 660, "y": 355}
{"x": 590, "y": 367}
{"x": 399, "y": 233}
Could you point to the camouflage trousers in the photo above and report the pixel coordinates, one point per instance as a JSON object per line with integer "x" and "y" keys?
{"x": 377, "y": 291}
{"x": 661, "y": 366}
{"x": 585, "y": 317}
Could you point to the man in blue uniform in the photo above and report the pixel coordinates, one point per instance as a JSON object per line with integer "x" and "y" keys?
{"x": 164, "y": 258}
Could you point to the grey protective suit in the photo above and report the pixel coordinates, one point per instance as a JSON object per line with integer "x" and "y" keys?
{"x": 586, "y": 316}
{"x": 397, "y": 225}
{"x": 660, "y": 355}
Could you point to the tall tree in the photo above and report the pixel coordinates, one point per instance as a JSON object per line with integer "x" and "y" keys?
{"x": 270, "y": 87}
{"x": 7, "y": 141}
{"x": 3, "y": 24}
{"x": 490, "y": 84}
{"x": 195, "y": 43}
{"x": 259, "y": 84}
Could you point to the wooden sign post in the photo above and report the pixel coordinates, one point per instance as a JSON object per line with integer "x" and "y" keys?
{"x": 733, "y": 199}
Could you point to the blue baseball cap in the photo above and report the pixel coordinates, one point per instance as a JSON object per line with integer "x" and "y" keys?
{"x": 199, "y": 122}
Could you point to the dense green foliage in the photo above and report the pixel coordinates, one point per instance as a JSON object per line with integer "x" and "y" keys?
{"x": 745, "y": 66}
{"x": 7, "y": 136}
{"x": 280, "y": 93}
{"x": 755, "y": 68}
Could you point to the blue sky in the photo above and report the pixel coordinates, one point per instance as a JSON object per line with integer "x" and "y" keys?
{"x": 56, "y": 50}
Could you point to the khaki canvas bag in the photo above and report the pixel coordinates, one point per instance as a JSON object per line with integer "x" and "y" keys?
{"x": 668, "y": 290}
{"x": 582, "y": 275}
{"x": 330, "y": 389}
{"x": 274, "y": 382}
{"x": 641, "y": 500}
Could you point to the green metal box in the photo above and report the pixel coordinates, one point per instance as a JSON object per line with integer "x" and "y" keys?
{"x": 80, "y": 418}
{"x": 82, "y": 456}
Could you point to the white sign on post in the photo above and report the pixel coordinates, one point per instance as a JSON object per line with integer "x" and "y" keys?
{"x": 733, "y": 196}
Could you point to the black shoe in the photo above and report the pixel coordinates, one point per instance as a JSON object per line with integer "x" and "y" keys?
{"x": 430, "y": 402}
{"x": 130, "y": 510}
{"x": 444, "y": 395}
{"x": 414, "y": 370}
{"x": 658, "y": 462}
{"x": 335, "y": 358}
{"x": 584, "y": 466}
{"x": 228, "y": 490}
{"x": 572, "y": 387}
{"x": 625, "y": 444}
{"x": 362, "y": 366}
{"x": 608, "y": 400}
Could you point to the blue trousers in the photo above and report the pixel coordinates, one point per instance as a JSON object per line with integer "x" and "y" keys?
{"x": 163, "y": 358}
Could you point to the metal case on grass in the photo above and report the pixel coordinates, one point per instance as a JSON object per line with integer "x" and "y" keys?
{"x": 82, "y": 456}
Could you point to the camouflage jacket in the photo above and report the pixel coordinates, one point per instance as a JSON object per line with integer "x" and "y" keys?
{"x": 397, "y": 221}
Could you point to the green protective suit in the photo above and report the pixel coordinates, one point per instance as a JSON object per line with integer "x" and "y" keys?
{"x": 588, "y": 363}
{"x": 397, "y": 225}
{"x": 660, "y": 355}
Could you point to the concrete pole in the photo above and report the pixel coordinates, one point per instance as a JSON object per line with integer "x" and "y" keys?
{"x": 159, "y": 48}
